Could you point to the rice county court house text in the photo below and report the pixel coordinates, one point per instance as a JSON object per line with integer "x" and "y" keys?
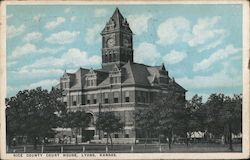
{"x": 120, "y": 85}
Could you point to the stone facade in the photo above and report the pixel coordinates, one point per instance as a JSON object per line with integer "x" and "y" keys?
{"x": 121, "y": 85}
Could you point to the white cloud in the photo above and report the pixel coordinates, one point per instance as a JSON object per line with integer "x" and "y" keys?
{"x": 67, "y": 10}
{"x": 13, "y": 31}
{"x": 11, "y": 63}
{"x": 93, "y": 34}
{"x": 203, "y": 35}
{"x": 33, "y": 36}
{"x": 204, "y": 30}
{"x": 139, "y": 23}
{"x": 9, "y": 16}
{"x": 227, "y": 77}
{"x": 45, "y": 84}
{"x": 63, "y": 37}
{"x": 29, "y": 48}
{"x": 37, "y": 18}
{"x": 24, "y": 72}
{"x": 189, "y": 95}
{"x": 172, "y": 29}
{"x": 146, "y": 53}
{"x": 100, "y": 12}
{"x": 73, "y": 58}
{"x": 174, "y": 57}
{"x": 73, "y": 18}
{"x": 216, "y": 56}
{"x": 54, "y": 24}
{"x": 212, "y": 45}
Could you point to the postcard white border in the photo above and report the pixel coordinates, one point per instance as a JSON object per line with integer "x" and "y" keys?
{"x": 246, "y": 120}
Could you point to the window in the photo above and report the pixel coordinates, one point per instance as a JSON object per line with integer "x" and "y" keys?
{"x": 139, "y": 96}
{"x": 127, "y": 96}
{"x": 116, "y": 136}
{"x": 109, "y": 57}
{"x": 111, "y": 80}
{"x": 94, "y": 100}
{"x": 106, "y": 99}
{"x": 126, "y": 135}
{"x": 115, "y": 97}
{"x": 88, "y": 99}
{"x": 143, "y": 97}
{"x": 74, "y": 100}
{"x": 115, "y": 79}
{"x": 83, "y": 99}
{"x": 115, "y": 100}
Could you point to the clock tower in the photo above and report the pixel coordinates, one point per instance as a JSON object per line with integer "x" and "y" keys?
{"x": 117, "y": 41}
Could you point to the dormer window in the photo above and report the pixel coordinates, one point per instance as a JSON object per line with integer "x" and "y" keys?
{"x": 115, "y": 75}
{"x": 91, "y": 79}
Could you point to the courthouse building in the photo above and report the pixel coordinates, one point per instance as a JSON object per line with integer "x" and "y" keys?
{"x": 120, "y": 85}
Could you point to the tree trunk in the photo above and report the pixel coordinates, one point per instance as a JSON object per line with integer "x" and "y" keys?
{"x": 76, "y": 137}
{"x": 111, "y": 141}
{"x": 146, "y": 140}
{"x": 35, "y": 143}
{"x": 187, "y": 139}
{"x": 107, "y": 139}
{"x": 230, "y": 138}
{"x": 170, "y": 140}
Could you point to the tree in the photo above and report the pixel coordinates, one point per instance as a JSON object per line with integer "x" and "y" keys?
{"x": 33, "y": 113}
{"x": 145, "y": 121}
{"x": 232, "y": 117}
{"x": 168, "y": 111}
{"x": 214, "y": 106}
{"x": 78, "y": 120}
{"x": 193, "y": 117}
{"x": 224, "y": 116}
{"x": 108, "y": 122}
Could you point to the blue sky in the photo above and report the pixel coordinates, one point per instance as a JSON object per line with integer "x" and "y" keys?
{"x": 200, "y": 45}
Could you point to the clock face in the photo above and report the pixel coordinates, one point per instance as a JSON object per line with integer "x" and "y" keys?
{"x": 110, "y": 42}
{"x": 125, "y": 43}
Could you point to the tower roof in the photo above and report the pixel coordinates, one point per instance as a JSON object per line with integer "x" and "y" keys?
{"x": 117, "y": 21}
{"x": 117, "y": 18}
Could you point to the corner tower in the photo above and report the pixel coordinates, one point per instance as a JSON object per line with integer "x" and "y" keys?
{"x": 117, "y": 41}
